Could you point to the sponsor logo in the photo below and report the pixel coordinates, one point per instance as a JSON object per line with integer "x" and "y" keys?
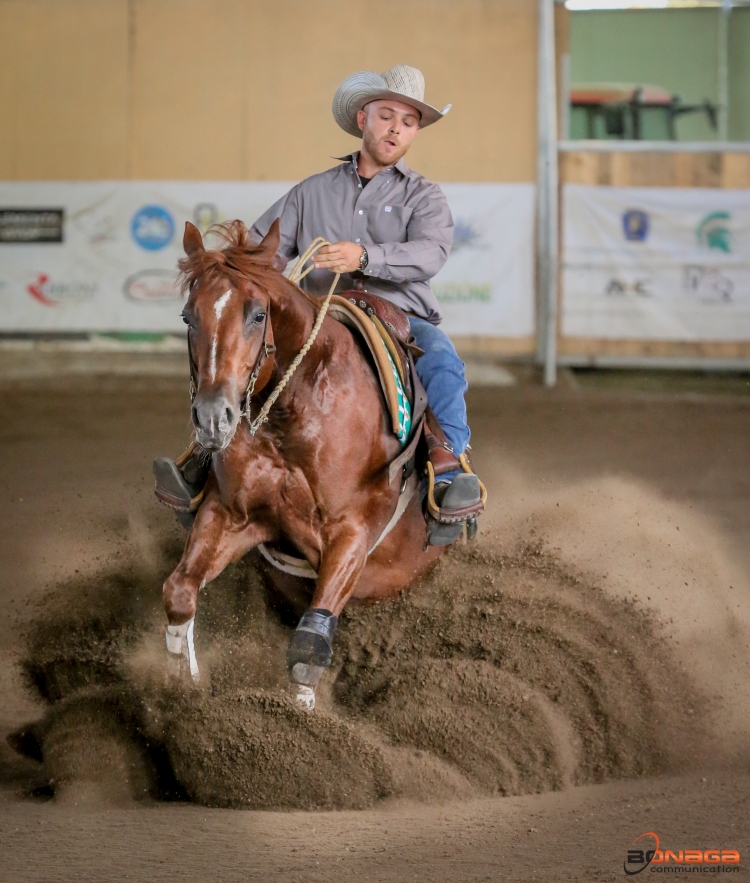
{"x": 709, "y": 283}
{"x": 152, "y": 227}
{"x": 646, "y": 852}
{"x": 635, "y": 225}
{"x": 465, "y": 235}
{"x": 52, "y": 294}
{"x": 619, "y": 287}
{"x": 152, "y": 286}
{"x": 26, "y": 226}
{"x": 205, "y": 215}
{"x": 713, "y": 232}
{"x": 462, "y": 292}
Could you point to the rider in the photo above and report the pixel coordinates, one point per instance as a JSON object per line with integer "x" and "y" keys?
{"x": 391, "y": 231}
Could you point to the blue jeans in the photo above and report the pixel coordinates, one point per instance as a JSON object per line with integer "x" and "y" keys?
{"x": 443, "y": 376}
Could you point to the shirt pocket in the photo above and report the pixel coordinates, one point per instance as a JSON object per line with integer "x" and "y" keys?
{"x": 389, "y": 223}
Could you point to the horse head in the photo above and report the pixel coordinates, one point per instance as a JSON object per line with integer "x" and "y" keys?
{"x": 230, "y": 337}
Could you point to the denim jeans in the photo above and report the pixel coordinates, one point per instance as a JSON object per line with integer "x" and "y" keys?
{"x": 443, "y": 376}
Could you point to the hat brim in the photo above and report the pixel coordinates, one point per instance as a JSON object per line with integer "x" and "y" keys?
{"x": 345, "y": 111}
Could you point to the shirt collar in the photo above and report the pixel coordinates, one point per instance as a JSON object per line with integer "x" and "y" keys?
{"x": 400, "y": 165}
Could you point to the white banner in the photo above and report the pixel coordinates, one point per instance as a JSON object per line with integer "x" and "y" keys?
{"x": 656, "y": 263}
{"x": 102, "y": 256}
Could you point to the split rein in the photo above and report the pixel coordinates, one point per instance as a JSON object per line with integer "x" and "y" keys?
{"x": 297, "y": 274}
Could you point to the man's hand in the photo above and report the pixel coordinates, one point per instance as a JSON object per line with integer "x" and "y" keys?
{"x": 341, "y": 257}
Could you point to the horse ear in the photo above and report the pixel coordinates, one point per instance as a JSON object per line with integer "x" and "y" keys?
{"x": 270, "y": 242}
{"x": 192, "y": 241}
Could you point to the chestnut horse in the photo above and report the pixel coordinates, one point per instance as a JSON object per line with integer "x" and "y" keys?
{"x": 314, "y": 477}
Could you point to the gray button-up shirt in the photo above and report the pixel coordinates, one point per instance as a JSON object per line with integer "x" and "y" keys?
{"x": 401, "y": 218}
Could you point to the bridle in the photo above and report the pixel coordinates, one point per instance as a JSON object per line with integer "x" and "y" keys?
{"x": 268, "y": 348}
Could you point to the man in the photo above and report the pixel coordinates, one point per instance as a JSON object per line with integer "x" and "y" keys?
{"x": 391, "y": 231}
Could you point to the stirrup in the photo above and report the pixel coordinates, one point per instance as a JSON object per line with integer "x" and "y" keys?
{"x": 172, "y": 488}
{"x": 445, "y": 523}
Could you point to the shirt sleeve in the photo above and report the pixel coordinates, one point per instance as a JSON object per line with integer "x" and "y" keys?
{"x": 429, "y": 236}
{"x": 287, "y": 209}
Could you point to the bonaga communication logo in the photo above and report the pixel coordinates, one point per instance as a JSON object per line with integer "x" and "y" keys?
{"x": 646, "y": 852}
{"x": 152, "y": 227}
{"x": 713, "y": 232}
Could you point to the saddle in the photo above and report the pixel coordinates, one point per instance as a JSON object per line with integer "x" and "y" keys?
{"x": 384, "y": 328}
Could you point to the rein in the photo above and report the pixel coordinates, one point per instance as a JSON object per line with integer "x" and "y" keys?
{"x": 268, "y": 349}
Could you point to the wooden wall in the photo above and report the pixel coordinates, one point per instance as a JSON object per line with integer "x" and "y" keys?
{"x": 242, "y": 89}
{"x": 656, "y": 169}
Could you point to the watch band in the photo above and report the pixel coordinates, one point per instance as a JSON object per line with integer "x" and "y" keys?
{"x": 363, "y": 260}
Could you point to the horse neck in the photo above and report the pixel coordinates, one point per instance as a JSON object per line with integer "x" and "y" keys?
{"x": 292, "y": 318}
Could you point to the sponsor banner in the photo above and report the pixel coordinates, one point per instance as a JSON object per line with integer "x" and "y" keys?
{"x": 102, "y": 256}
{"x": 656, "y": 263}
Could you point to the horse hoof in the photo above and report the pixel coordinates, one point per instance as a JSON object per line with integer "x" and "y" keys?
{"x": 304, "y": 697}
{"x": 178, "y": 668}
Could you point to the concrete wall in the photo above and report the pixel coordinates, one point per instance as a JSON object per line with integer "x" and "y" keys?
{"x": 674, "y": 48}
{"x": 241, "y": 89}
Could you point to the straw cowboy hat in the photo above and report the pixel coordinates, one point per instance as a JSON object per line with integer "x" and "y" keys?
{"x": 401, "y": 83}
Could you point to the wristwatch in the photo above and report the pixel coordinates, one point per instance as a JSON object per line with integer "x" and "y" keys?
{"x": 363, "y": 260}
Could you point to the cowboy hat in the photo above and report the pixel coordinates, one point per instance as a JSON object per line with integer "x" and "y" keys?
{"x": 401, "y": 83}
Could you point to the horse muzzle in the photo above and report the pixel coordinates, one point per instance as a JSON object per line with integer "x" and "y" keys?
{"x": 215, "y": 419}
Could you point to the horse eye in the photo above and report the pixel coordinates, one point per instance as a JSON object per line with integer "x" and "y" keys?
{"x": 260, "y": 317}
{"x": 185, "y": 319}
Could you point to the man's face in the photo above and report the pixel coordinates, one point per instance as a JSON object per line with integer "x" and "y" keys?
{"x": 388, "y": 129}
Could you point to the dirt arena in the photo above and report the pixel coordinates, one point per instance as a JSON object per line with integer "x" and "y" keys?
{"x": 578, "y": 677}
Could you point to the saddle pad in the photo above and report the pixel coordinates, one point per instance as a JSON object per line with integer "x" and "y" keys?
{"x": 399, "y": 407}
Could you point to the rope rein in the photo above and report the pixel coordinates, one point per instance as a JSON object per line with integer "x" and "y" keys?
{"x": 296, "y": 275}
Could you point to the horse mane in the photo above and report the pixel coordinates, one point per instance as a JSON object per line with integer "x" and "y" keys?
{"x": 240, "y": 258}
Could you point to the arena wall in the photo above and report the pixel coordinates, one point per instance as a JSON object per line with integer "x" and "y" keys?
{"x": 241, "y": 89}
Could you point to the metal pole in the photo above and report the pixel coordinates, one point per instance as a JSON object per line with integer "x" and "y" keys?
{"x": 542, "y": 195}
{"x": 565, "y": 96}
{"x": 547, "y": 208}
{"x": 723, "y": 70}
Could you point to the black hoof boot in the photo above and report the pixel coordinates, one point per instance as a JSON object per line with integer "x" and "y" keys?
{"x": 309, "y": 655}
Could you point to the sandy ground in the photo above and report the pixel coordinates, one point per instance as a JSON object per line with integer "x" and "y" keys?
{"x": 641, "y": 488}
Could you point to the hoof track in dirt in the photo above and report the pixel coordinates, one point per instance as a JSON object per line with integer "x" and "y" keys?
{"x": 498, "y": 674}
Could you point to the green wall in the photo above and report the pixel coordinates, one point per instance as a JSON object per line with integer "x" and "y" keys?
{"x": 739, "y": 74}
{"x": 674, "y": 48}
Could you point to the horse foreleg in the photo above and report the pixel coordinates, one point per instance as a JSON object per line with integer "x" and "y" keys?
{"x": 215, "y": 541}
{"x": 311, "y": 646}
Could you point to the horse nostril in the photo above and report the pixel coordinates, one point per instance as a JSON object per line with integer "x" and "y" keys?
{"x": 228, "y": 418}
{"x": 195, "y": 417}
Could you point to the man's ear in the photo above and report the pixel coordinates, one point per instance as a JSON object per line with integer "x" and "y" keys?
{"x": 361, "y": 117}
{"x": 270, "y": 242}
{"x": 192, "y": 241}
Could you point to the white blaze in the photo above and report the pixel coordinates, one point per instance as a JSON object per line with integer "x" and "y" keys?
{"x": 221, "y": 302}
